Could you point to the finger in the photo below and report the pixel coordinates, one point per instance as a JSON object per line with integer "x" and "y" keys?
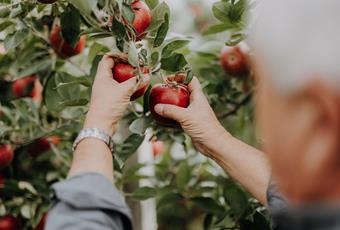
{"x": 130, "y": 85}
{"x": 105, "y": 67}
{"x": 171, "y": 111}
{"x": 195, "y": 89}
{"x": 194, "y": 85}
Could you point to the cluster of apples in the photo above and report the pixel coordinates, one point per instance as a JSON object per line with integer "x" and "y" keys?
{"x": 35, "y": 149}
{"x": 39, "y": 146}
{"x": 176, "y": 94}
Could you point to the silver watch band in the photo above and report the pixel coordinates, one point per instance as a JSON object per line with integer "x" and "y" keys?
{"x": 94, "y": 133}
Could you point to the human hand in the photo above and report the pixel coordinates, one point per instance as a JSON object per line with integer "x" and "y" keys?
{"x": 109, "y": 98}
{"x": 198, "y": 120}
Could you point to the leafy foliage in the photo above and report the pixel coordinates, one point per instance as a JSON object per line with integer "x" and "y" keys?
{"x": 186, "y": 187}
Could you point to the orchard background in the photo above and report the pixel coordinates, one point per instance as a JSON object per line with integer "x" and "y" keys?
{"x": 49, "y": 55}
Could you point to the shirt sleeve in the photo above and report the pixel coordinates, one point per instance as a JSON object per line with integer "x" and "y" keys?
{"x": 88, "y": 201}
{"x": 277, "y": 204}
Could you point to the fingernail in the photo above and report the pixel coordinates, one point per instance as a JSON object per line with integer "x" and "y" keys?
{"x": 159, "y": 108}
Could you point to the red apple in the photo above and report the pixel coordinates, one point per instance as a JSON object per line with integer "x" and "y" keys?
{"x": 29, "y": 86}
{"x": 42, "y": 223}
{"x": 9, "y": 222}
{"x": 157, "y": 147}
{"x": 42, "y": 145}
{"x": 122, "y": 72}
{"x": 234, "y": 60}
{"x": 173, "y": 94}
{"x": 62, "y": 48}
{"x": 47, "y": 1}
{"x": 142, "y": 18}
{"x": 6, "y": 155}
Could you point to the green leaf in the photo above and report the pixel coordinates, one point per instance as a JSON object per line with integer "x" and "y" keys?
{"x": 173, "y": 63}
{"x": 4, "y": 25}
{"x": 94, "y": 66}
{"x": 189, "y": 77}
{"x": 95, "y": 49}
{"x": 162, "y": 32}
{"x": 152, "y": 3}
{"x": 130, "y": 146}
{"x": 74, "y": 102}
{"x": 133, "y": 55}
{"x": 4, "y": 11}
{"x": 173, "y": 45}
{"x": 140, "y": 125}
{"x": 169, "y": 198}
{"x": 214, "y": 29}
{"x": 220, "y": 10}
{"x": 84, "y": 6}
{"x": 236, "y": 198}
{"x": 183, "y": 175}
{"x": 70, "y": 25}
{"x": 154, "y": 58}
{"x": 209, "y": 205}
{"x": 144, "y": 193}
{"x": 128, "y": 13}
{"x": 14, "y": 39}
{"x": 51, "y": 95}
{"x": 35, "y": 67}
{"x": 118, "y": 29}
{"x": 23, "y": 185}
{"x": 235, "y": 39}
{"x": 237, "y": 11}
{"x": 158, "y": 16}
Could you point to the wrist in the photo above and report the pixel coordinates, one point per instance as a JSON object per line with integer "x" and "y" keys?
{"x": 216, "y": 140}
{"x": 105, "y": 124}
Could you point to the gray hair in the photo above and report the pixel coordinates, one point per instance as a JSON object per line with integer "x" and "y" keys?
{"x": 298, "y": 40}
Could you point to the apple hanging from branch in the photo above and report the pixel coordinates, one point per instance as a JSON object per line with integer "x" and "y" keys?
{"x": 61, "y": 47}
{"x": 142, "y": 18}
{"x": 42, "y": 222}
{"x": 123, "y": 71}
{"x": 9, "y": 222}
{"x": 42, "y": 145}
{"x": 29, "y": 86}
{"x": 157, "y": 147}
{"x": 6, "y": 155}
{"x": 234, "y": 61}
{"x": 168, "y": 93}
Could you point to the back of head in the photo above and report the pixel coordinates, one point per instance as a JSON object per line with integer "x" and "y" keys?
{"x": 297, "y": 59}
{"x": 298, "y": 40}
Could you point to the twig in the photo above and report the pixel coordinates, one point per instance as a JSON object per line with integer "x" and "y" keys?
{"x": 237, "y": 106}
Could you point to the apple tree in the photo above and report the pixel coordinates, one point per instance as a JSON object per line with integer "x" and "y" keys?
{"x": 49, "y": 56}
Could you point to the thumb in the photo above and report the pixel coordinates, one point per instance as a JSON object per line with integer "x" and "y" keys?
{"x": 171, "y": 111}
{"x": 129, "y": 85}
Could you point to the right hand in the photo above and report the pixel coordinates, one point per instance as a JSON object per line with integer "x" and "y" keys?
{"x": 198, "y": 120}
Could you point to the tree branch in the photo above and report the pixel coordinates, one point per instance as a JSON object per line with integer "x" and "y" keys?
{"x": 236, "y": 108}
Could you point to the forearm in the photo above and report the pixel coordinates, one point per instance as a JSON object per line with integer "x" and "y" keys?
{"x": 244, "y": 163}
{"x": 92, "y": 155}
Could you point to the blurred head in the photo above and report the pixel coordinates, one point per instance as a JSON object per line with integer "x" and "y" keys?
{"x": 297, "y": 64}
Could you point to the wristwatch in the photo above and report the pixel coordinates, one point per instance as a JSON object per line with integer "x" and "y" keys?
{"x": 94, "y": 133}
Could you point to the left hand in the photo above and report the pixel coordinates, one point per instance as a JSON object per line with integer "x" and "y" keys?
{"x": 109, "y": 98}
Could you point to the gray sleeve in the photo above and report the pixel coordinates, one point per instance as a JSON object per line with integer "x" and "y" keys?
{"x": 88, "y": 201}
{"x": 277, "y": 205}
{"x": 276, "y": 201}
